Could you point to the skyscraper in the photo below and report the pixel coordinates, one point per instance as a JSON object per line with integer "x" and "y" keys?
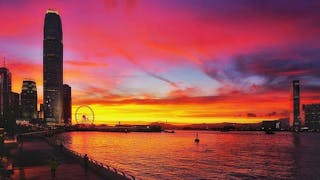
{"x": 5, "y": 90}
{"x": 312, "y": 116}
{"x": 15, "y": 105}
{"x": 296, "y": 104}
{"x": 67, "y": 104}
{"x": 52, "y": 68}
{"x": 15, "y": 111}
{"x": 29, "y": 100}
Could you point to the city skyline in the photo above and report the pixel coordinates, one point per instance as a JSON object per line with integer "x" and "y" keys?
{"x": 182, "y": 63}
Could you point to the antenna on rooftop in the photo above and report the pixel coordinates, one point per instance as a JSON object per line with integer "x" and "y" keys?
{"x": 4, "y": 61}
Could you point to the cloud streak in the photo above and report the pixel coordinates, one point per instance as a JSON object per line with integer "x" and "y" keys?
{"x": 133, "y": 61}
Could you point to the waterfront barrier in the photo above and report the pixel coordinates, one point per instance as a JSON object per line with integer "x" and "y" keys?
{"x": 102, "y": 169}
{"x": 98, "y": 167}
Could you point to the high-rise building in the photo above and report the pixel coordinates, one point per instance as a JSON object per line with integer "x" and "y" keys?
{"x": 5, "y": 90}
{"x": 296, "y": 119}
{"x": 15, "y": 105}
{"x": 29, "y": 100}
{"x": 67, "y": 104}
{"x": 52, "y": 68}
{"x": 14, "y": 111}
{"x": 312, "y": 115}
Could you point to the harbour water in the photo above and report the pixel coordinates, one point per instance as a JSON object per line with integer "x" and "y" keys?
{"x": 219, "y": 155}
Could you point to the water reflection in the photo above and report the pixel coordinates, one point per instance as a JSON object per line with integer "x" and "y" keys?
{"x": 219, "y": 155}
{"x": 296, "y": 139}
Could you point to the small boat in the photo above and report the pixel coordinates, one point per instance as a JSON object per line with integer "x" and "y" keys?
{"x": 197, "y": 140}
{"x": 166, "y": 127}
{"x": 169, "y": 131}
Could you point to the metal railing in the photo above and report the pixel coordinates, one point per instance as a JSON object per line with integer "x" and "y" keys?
{"x": 96, "y": 165}
{"x": 101, "y": 165}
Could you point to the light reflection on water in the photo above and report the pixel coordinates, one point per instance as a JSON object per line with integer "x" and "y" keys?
{"x": 219, "y": 155}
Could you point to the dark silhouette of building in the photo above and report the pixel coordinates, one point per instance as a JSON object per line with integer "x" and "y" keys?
{"x": 296, "y": 119}
{"x": 29, "y": 100}
{"x": 15, "y": 105}
{"x": 52, "y": 68}
{"x": 312, "y": 115}
{"x": 14, "y": 111}
{"x": 67, "y": 104}
{"x": 5, "y": 90}
{"x": 284, "y": 123}
{"x": 273, "y": 125}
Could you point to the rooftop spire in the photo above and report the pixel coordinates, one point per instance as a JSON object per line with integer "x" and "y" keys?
{"x": 52, "y": 11}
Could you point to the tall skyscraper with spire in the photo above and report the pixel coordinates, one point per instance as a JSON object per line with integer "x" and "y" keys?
{"x": 296, "y": 122}
{"x": 52, "y": 68}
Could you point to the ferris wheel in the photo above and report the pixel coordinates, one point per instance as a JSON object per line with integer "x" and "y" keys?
{"x": 84, "y": 115}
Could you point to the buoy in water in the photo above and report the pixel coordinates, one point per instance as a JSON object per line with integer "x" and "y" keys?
{"x": 197, "y": 140}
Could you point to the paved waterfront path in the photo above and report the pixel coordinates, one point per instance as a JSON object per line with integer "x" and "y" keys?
{"x": 33, "y": 162}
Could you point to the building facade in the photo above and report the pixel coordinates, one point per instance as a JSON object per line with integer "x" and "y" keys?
{"x": 53, "y": 68}
{"x": 312, "y": 116}
{"x": 296, "y": 119}
{"x": 5, "y": 90}
{"x": 15, "y": 105}
{"x": 67, "y": 103}
{"x": 29, "y": 99}
{"x": 274, "y": 125}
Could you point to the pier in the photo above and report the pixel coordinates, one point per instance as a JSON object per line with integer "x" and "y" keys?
{"x": 117, "y": 128}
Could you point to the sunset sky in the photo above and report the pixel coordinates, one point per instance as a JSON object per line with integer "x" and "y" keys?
{"x": 184, "y": 61}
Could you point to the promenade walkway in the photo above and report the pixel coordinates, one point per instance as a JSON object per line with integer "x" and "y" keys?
{"x": 32, "y": 162}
